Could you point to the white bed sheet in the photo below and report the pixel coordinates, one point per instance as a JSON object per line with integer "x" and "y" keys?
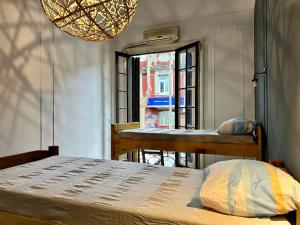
{"x": 203, "y": 136}
{"x": 82, "y": 191}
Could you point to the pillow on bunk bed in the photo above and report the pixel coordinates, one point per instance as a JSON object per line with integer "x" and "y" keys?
{"x": 248, "y": 188}
{"x": 236, "y": 126}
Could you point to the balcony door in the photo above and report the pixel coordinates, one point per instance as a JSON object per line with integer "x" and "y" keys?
{"x": 187, "y": 96}
{"x": 127, "y": 88}
{"x": 166, "y": 100}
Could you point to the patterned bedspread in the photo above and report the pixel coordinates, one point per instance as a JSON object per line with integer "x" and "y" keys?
{"x": 82, "y": 191}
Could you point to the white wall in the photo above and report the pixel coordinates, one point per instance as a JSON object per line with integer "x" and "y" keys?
{"x": 82, "y": 86}
{"x": 83, "y": 72}
{"x": 228, "y": 41}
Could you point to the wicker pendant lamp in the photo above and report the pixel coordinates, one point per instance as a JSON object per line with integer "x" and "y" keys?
{"x": 92, "y": 20}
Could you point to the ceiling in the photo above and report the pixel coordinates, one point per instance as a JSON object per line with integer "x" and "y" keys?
{"x": 155, "y": 12}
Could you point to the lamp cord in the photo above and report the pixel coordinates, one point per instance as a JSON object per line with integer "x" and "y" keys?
{"x": 53, "y": 89}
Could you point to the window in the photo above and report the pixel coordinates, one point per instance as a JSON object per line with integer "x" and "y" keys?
{"x": 164, "y": 57}
{"x": 162, "y": 86}
{"x": 166, "y": 119}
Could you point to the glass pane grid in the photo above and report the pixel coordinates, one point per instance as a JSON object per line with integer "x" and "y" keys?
{"x": 122, "y": 64}
{"x": 191, "y": 97}
{"x": 191, "y": 57}
{"x": 122, "y": 82}
{"x": 188, "y": 87}
{"x": 122, "y": 115}
{"x": 182, "y": 59}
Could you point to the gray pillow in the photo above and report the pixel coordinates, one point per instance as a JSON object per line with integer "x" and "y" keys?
{"x": 236, "y": 126}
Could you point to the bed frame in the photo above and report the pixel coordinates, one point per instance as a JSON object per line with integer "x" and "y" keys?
{"x": 14, "y": 219}
{"x": 7, "y": 218}
{"x": 121, "y": 145}
{"x": 15, "y": 160}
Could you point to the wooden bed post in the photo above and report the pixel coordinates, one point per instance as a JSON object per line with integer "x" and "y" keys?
{"x": 27, "y": 157}
{"x": 53, "y": 150}
{"x": 298, "y": 215}
{"x": 259, "y": 142}
{"x": 115, "y": 138}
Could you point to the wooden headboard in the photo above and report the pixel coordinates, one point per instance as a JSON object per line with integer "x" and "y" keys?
{"x": 15, "y": 160}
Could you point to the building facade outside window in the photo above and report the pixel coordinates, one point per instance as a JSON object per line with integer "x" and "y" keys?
{"x": 157, "y": 89}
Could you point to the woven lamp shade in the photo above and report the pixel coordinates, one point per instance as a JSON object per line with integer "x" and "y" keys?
{"x": 92, "y": 20}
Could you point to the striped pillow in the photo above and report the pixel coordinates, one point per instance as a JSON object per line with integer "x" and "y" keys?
{"x": 249, "y": 188}
{"x": 236, "y": 126}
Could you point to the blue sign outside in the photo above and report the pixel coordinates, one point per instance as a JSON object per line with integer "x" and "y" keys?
{"x": 163, "y": 102}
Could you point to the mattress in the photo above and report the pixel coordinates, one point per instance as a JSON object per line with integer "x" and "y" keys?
{"x": 82, "y": 191}
{"x": 204, "y": 136}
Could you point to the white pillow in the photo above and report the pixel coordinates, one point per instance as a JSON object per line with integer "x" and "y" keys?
{"x": 248, "y": 188}
{"x": 236, "y": 126}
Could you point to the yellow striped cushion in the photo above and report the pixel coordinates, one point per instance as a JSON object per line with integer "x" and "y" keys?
{"x": 249, "y": 188}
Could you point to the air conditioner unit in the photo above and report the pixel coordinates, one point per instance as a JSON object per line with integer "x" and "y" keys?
{"x": 161, "y": 36}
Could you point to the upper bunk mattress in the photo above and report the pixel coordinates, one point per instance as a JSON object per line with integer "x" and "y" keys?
{"x": 82, "y": 191}
{"x": 203, "y": 136}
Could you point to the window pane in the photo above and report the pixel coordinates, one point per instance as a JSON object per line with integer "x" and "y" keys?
{"x": 190, "y": 98}
{"x": 122, "y": 115}
{"x": 182, "y": 77}
{"x": 166, "y": 119}
{"x": 191, "y": 160}
{"x": 122, "y": 100}
{"x": 191, "y": 77}
{"x": 122, "y": 82}
{"x": 182, "y": 117}
{"x": 182, "y": 158}
{"x": 182, "y": 59}
{"x": 163, "y": 84}
{"x": 191, "y": 57}
{"x": 191, "y": 122}
{"x": 162, "y": 87}
{"x": 122, "y": 64}
{"x": 182, "y": 98}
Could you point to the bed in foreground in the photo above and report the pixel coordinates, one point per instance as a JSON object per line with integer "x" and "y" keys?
{"x": 77, "y": 191}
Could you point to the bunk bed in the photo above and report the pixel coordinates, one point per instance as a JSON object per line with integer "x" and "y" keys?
{"x": 42, "y": 188}
{"x": 128, "y": 137}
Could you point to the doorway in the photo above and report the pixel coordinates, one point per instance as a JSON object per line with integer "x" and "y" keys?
{"x": 157, "y": 100}
{"x": 161, "y": 91}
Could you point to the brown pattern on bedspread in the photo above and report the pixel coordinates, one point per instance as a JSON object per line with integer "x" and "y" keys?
{"x": 82, "y": 191}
